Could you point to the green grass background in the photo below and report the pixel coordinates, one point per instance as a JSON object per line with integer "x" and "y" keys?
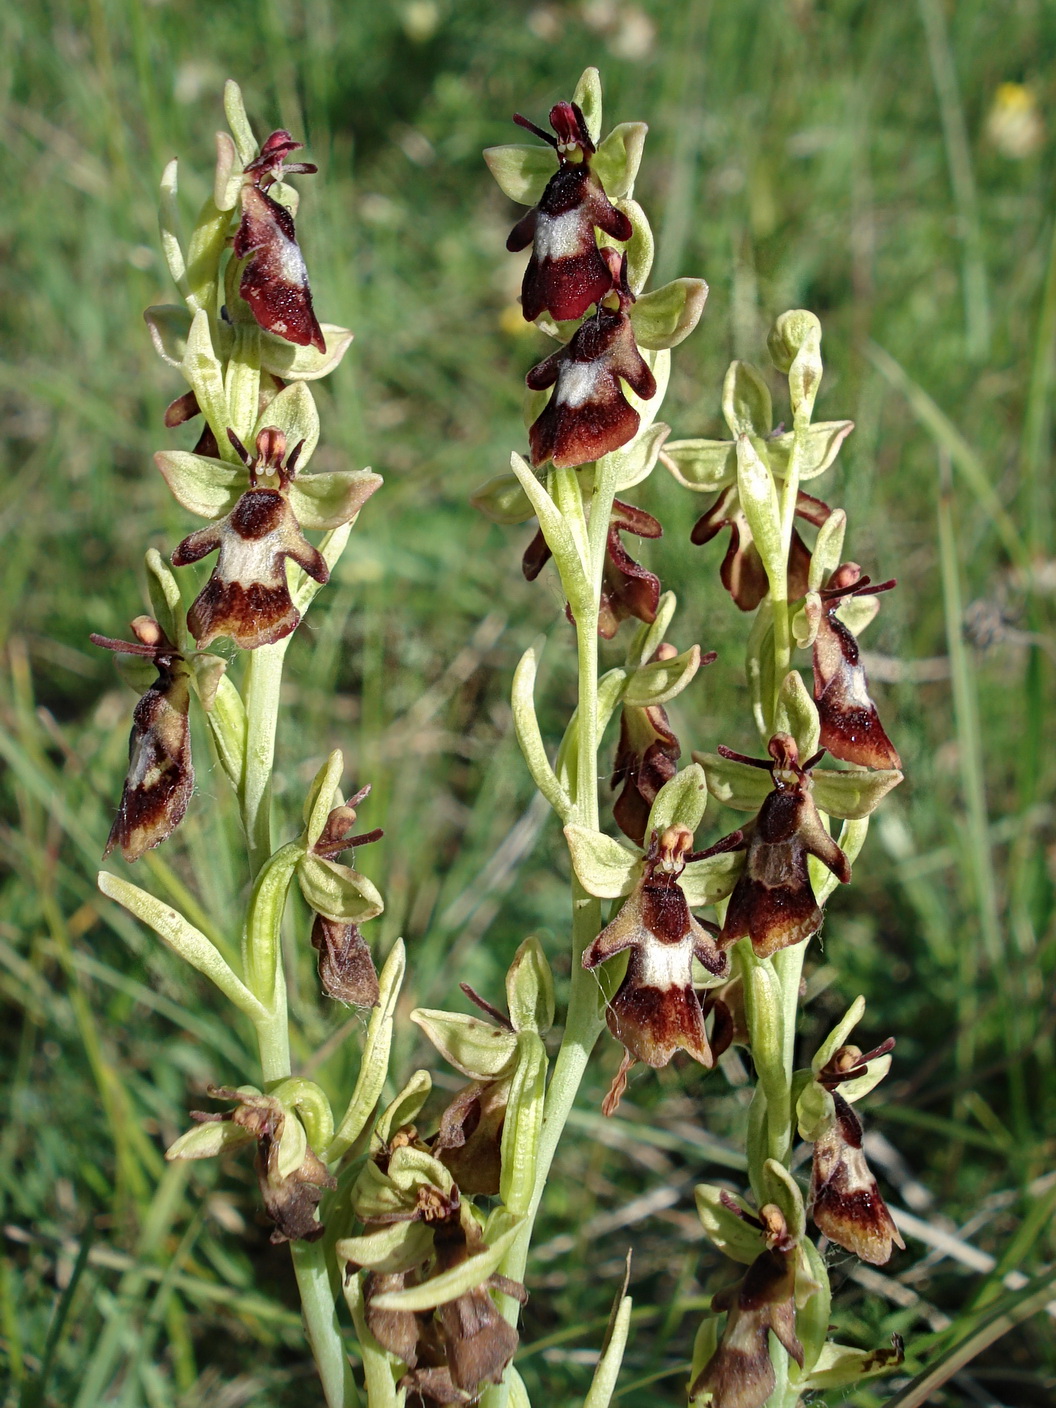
{"x": 832, "y": 156}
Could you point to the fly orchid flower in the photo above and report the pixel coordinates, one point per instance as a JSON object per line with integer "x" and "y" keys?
{"x": 850, "y": 726}
{"x": 567, "y": 271}
{"x": 247, "y": 597}
{"x": 160, "y": 776}
{"x": 773, "y": 901}
{"x": 656, "y": 1010}
{"x": 742, "y": 571}
{"x": 346, "y": 968}
{"x": 588, "y": 414}
{"x": 274, "y": 281}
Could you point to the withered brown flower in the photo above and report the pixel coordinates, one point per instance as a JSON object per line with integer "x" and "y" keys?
{"x": 850, "y": 726}
{"x": 845, "y": 1201}
{"x": 247, "y": 597}
{"x": 742, "y": 571}
{"x": 274, "y": 281}
{"x": 588, "y": 414}
{"x": 346, "y": 967}
{"x": 566, "y": 272}
{"x": 656, "y": 1010}
{"x": 773, "y": 901}
{"x": 160, "y": 777}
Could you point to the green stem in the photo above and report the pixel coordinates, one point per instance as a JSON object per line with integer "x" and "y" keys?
{"x": 320, "y": 1321}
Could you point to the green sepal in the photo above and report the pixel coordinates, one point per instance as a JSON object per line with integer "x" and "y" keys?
{"x": 235, "y": 112}
{"x": 170, "y": 326}
{"x": 292, "y": 363}
{"x": 521, "y": 170}
{"x": 818, "y": 447}
{"x": 661, "y": 680}
{"x": 449, "y": 1285}
{"x": 618, "y": 158}
{"x": 815, "y": 1111}
{"x": 328, "y": 501}
{"x": 746, "y": 402}
{"x": 850, "y": 794}
{"x": 503, "y": 501}
{"x": 659, "y": 363}
{"x": 138, "y": 672}
{"x": 478, "y": 1049}
{"x": 648, "y": 638}
{"x": 293, "y": 411}
{"x": 374, "y": 1063}
{"x": 378, "y": 1195}
{"x": 399, "y": 1247}
{"x": 794, "y": 343}
{"x": 781, "y": 1188}
{"x": 409, "y": 1168}
{"x": 801, "y": 712}
{"x": 860, "y": 1086}
{"x": 262, "y": 929}
{"x": 337, "y": 891}
{"x": 202, "y": 368}
{"x": 523, "y": 1125}
{"x": 207, "y": 670}
{"x": 839, "y": 1365}
{"x": 313, "y": 1109}
{"x": 165, "y": 600}
{"x": 705, "y": 466}
{"x": 587, "y": 98}
{"x": 712, "y": 879}
{"x": 403, "y": 1110}
{"x": 322, "y": 797}
{"x": 293, "y": 1146}
{"x": 828, "y": 548}
{"x": 207, "y": 1141}
{"x": 856, "y": 612}
{"x": 606, "y": 869}
{"x": 806, "y": 620}
{"x": 168, "y": 226}
{"x": 735, "y": 784}
{"x": 530, "y": 989}
{"x": 758, "y": 496}
{"x": 739, "y": 1240}
{"x": 530, "y": 739}
{"x": 667, "y": 316}
{"x": 640, "y": 250}
{"x": 680, "y": 802}
{"x": 812, "y": 1315}
{"x": 227, "y": 177}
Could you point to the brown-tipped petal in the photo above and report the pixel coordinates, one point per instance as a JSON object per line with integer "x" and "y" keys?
{"x": 160, "y": 777}
{"x": 346, "y": 968}
{"x": 850, "y": 726}
{"x": 275, "y": 280}
{"x": 846, "y": 1203}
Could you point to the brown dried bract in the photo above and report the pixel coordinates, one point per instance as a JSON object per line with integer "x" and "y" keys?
{"x": 566, "y": 272}
{"x": 846, "y": 1203}
{"x": 247, "y": 597}
{"x": 274, "y": 281}
{"x": 160, "y": 777}
{"x": 850, "y": 726}
{"x": 656, "y": 1010}
{"x": 588, "y": 414}
{"x": 773, "y": 901}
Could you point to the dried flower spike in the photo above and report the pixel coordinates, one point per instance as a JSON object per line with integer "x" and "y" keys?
{"x": 773, "y": 902}
{"x": 274, "y": 281}
{"x": 850, "y": 726}
{"x": 656, "y": 1010}
{"x": 160, "y": 776}
{"x": 566, "y": 272}
{"x": 588, "y": 414}
{"x": 247, "y": 597}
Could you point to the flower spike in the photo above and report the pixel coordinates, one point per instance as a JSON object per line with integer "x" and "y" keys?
{"x": 567, "y": 272}
{"x": 773, "y": 902}
{"x": 160, "y": 777}
{"x": 588, "y": 414}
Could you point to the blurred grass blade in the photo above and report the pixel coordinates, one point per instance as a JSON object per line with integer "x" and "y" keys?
{"x": 34, "y": 1390}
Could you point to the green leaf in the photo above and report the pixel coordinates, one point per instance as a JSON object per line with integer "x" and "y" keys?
{"x": 746, "y": 401}
{"x": 852, "y": 794}
{"x": 227, "y": 178}
{"x": 168, "y": 226}
{"x": 828, "y": 549}
{"x": 521, "y": 170}
{"x": 556, "y": 531}
{"x": 839, "y": 1034}
{"x": 605, "y": 868}
{"x": 404, "y": 1109}
{"x": 292, "y": 363}
{"x": 293, "y": 412}
{"x": 587, "y": 98}
{"x": 322, "y": 797}
{"x": 781, "y": 1188}
{"x": 705, "y": 466}
{"x": 449, "y": 1285}
{"x": 206, "y": 487}
{"x": 618, "y": 158}
{"x": 667, "y": 316}
{"x": 709, "y": 880}
{"x": 680, "y": 802}
{"x": 523, "y": 1125}
{"x": 812, "y": 1318}
{"x": 758, "y": 495}
{"x": 503, "y": 501}
{"x": 170, "y": 326}
{"x": 478, "y": 1049}
{"x": 801, "y": 712}
{"x": 661, "y": 680}
{"x": 530, "y": 989}
{"x": 374, "y": 1064}
{"x": 398, "y": 1247}
{"x": 201, "y": 367}
{"x": 603, "y": 1384}
{"x": 262, "y": 932}
{"x": 735, "y": 784}
{"x": 337, "y": 891}
{"x": 739, "y": 1240}
{"x": 235, "y": 112}
{"x": 227, "y": 725}
{"x": 818, "y": 447}
{"x": 526, "y": 726}
{"x": 839, "y": 1366}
